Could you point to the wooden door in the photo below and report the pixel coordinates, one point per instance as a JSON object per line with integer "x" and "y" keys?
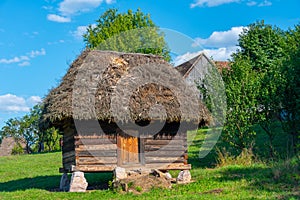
{"x": 128, "y": 149}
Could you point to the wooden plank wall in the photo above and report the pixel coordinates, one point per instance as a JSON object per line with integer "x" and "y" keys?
{"x": 68, "y": 148}
{"x": 166, "y": 148}
{"x": 96, "y": 150}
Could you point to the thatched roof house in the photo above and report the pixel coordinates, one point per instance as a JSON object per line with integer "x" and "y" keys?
{"x": 104, "y": 104}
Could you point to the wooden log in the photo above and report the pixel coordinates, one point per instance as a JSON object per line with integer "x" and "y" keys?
{"x": 164, "y": 142}
{"x": 165, "y": 153}
{"x": 142, "y": 151}
{"x": 68, "y": 154}
{"x": 113, "y": 136}
{"x": 68, "y": 148}
{"x": 96, "y": 153}
{"x": 94, "y": 141}
{"x": 165, "y": 148}
{"x": 68, "y": 159}
{"x": 172, "y": 166}
{"x": 163, "y": 160}
{"x": 169, "y": 137}
{"x": 94, "y": 168}
{"x": 96, "y": 147}
{"x": 67, "y": 166}
{"x": 96, "y": 160}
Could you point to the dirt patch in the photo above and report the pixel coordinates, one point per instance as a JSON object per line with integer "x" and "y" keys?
{"x": 140, "y": 183}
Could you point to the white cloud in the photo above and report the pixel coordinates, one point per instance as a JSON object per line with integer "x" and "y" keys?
{"x": 220, "y": 45}
{"x": 16, "y": 59}
{"x": 13, "y": 103}
{"x": 23, "y": 64}
{"x": 56, "y": 42}
{"x": 220, "y": 39}
{"x": 265, "y": 3}
{"x": 36, "y": 53}
{"x": 47, "y": 7}
{"x": 219, "y": 54}
{"x": 34, "y": 100}
{"x": 23, "y": 60}
{"x": 68, "y": 8}
{"x": 212, "y": 3}
{"x": 251, "y": 3}
{"x": 110, "y": 1}
{"x": 57, "y": 18}
{"x": 78, "y": 33}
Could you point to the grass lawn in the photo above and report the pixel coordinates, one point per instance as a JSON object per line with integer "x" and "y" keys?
{"x": 36, "y": 177}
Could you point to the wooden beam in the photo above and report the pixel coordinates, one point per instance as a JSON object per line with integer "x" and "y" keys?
{"x": 172, "y": 166}
{"x": 93, "y": 168}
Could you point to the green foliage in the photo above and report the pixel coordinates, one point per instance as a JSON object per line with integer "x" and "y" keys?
{"x": 139, "y": 188}
{"x": 265, "y": 46}
{"x": 127, "y": 32}
{"x": 291, "y": 100}
{"x": 17, "y": 149}
{"x": 272, "y": 60}
{"x": 242, "y": 90}
{"x": 287, "y": 170}
{"x": 245, "y": 158}
{"x": 27, "y": 128}
{"x": 213, "y": 94}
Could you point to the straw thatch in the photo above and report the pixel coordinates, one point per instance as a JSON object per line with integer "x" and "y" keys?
{"x": 109, "y": 86}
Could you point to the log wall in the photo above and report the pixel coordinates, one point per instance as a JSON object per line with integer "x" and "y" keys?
{"x": 99, "y": 152}
{"x": 166, "y": 149}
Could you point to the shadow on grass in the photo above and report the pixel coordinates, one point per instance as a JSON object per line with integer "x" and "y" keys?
{"x": 96, "y": 181}
{"x": 260, "y": 179}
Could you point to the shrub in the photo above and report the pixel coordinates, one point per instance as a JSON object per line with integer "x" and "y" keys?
{"x": 245, "y": 158}
{"x": 287, "y": 171}
{"x": 17, "y": 149}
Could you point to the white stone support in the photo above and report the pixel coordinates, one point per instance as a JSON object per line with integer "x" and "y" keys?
{"x": 78, "y": 182}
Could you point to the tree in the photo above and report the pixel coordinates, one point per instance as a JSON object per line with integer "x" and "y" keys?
{"x": 291, "y": 100}
{"x": 242, "y": 91}
{"x": 27, "y": 128}
{"x": 126, "y": 32}
{"x": 264, "y": 47}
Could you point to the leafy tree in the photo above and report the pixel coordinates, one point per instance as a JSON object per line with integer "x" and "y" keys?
{"x": 264, "y": 47}
{"x": 291, "y": 100}
{"x": 213, "y": 94}
{"x": 27, "y": 128}
{"x": 127, "y": 32}
{"x": 11, "y": 128}
{"x": 241, "y": 84}
{"x": 29, "y": 131}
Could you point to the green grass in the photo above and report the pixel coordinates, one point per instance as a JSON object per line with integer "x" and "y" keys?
{"x": 36, "y": 177}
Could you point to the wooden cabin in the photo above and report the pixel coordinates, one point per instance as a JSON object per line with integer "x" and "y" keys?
{"x": 101, "y": 130}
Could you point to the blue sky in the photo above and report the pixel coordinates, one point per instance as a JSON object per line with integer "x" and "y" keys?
{"x": 40, "y": 38}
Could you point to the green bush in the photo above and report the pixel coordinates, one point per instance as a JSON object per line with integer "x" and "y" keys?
{"x": 17, "y": 149}
{"x": 245, "y": 158}
{"x": 287, "y": 170}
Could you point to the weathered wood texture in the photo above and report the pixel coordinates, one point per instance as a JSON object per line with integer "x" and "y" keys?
{"x": 68, "y": 148}
{"x": 93, "y": 151}
{"x": 166, "y": 148}
{"x": 128, "y": 150}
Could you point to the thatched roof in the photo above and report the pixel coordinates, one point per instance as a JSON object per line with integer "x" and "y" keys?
{"x": 124, "y": 87}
